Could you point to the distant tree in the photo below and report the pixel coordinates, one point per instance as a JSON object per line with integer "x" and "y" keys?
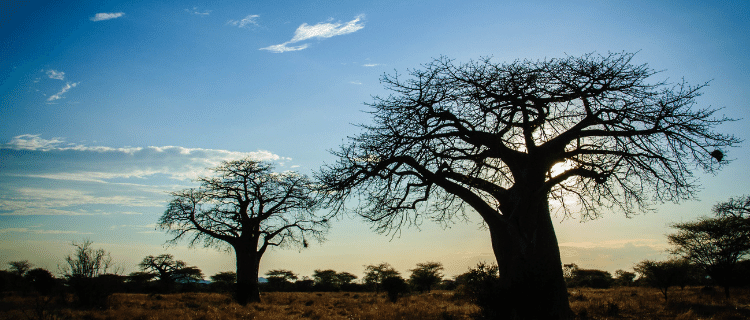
{"x": 624, "y": 278}
{"x": 140, "y": 281}
{"x": 280, "y": 280}
{"x": 41, "y": 280}
{"x": 170, "y": 271}
{"x": 226, "y": 276}
{"x": 426, "y": 276}
{"x": 281, "y": 275}
{"x": 20, "y": 267}
{"x": 663, "y": 274}
{"x": 326, "y": 280}
{"x": 86, "y": 271}
{"x": 223, "y": 281}
{"x": 504, "y": 140}
{"x": 87, "y": 262}
{"x": 590, "y": 278}
{"x": 481, "y": 285}
{"x": 395, "y": 286}
{"x": 715, "y": 244}
{"x": 190, "y": 274}
{"x": 345, "y": 278}
{"x": 374, "y": 275}
{"x": 249, "y": 208}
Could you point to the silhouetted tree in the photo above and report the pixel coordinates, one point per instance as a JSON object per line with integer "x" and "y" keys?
{"x": 395, "y": 286}
{"x": 374, "y": 275}
{"x": 663, "y": 274}
{"x": 481, "y": 285}
{"x": 170, "y": 271}
{"x": 223, "y": 281}
{"x": 506, "y": 139}
{"x": 330, "y": 280}
{"x": 715, "y": 244}
{"x": 280, "y": 280}
{"x": 140, "y": 281}
{"x": 86, "y": 270}
{"x": 20, "y": 267}
{"x": 249, "y": 208}
{"x": 426, "y": 276}
{"x": 590, "y": 278}
{"x": 624, "y": 278}
{"x": 41, "y": 280}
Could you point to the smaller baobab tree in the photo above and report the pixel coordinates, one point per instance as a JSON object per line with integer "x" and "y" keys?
{"x": 247, "y": 207}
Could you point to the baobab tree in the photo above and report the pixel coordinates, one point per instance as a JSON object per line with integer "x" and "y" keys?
{"x": 249, "y": 208}
{"x": 505, "y": 140}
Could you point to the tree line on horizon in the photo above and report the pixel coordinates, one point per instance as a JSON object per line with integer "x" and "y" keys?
{"x": 711, "y": 251}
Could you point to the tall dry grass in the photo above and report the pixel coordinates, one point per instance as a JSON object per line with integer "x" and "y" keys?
{"x": 618, "y": 303}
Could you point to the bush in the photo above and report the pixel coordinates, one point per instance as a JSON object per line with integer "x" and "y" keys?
{"x": 395, "y": 286}
{"x": 481, "y": 286}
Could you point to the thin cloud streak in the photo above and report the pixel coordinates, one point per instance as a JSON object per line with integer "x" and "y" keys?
{"x": 195, "y": 11}
{"x": 107, "y": 16}
{"x": 58, "y": 75}
{"x": 245, "y": 22}
{"x": 58, "y": 96}
{"x": 321, "y": 30}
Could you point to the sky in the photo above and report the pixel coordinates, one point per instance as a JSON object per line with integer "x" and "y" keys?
{"x": 107, "y": 106}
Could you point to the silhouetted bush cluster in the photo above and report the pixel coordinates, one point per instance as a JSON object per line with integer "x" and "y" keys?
{"x": 481, "y": 286}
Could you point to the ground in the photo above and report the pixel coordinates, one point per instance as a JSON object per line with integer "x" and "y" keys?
{"x": 619, "y": 303}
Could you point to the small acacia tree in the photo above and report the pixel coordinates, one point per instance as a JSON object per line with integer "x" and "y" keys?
{"x": 169, "y": 270}
{"x": 663, "y": 274}
{"x": 716, "y": 244}
{"x": 503, "y": 140}
{"x": 375, "y": 274}
{"x": 20, "y": 268}
{"x": 249, "y": 208}
{"x": 426, "y": 276}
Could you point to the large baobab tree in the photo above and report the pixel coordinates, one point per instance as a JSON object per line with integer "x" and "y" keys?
{"x": 249, "y": 208}
{"x": 505, "y": 140}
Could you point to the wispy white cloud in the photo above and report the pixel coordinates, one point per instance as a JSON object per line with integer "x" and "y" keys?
{"x": 65, "y": 89}
{"x": 107, "y": 16}
{"x": 40, "y": 231}
{"x": 355, "y": 82}
{"x": 245, "y": 22}
{"x": 322, "y": 30}
{"x": 55, "y": 177}
{"x": 195, "y": 11}
{"x": 370, "y": 64}
{"x": 59, "y": 75}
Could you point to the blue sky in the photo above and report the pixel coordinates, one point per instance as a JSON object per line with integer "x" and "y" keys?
{"x": 107, "y": 106}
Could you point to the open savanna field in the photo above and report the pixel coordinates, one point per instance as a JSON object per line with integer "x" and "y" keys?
{"x": 617, "y": 303}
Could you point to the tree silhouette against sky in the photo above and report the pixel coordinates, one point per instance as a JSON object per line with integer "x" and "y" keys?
{"x": 505, "y": 140}
{"x": 250, "y": 208}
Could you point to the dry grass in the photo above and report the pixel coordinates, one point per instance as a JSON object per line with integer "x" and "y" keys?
{"x": 209, "y": 306}
{"x": 619, "y": 303}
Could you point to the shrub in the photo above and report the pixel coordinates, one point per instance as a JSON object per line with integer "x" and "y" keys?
{"x": 395, "y": 286}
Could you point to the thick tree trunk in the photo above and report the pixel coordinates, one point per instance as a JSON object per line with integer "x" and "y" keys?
{"x": 248, "y": 263}
{"x": 531, "y": 278}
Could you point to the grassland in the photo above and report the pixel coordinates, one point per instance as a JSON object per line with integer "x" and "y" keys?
{"x": 618, "y": 303}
